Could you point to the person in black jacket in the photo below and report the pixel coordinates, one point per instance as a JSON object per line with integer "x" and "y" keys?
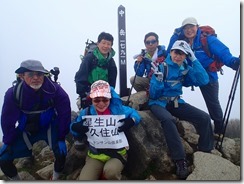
{"x": 96, "y": 65}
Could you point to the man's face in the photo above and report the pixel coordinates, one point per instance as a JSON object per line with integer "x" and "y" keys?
{"x": 33, "y": 79}
{"x": 151, "y": 44}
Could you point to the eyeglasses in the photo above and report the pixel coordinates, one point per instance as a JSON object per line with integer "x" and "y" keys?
{"x": 31, "y": 74}
{"x": 148, "y": 42}
{"x": 189, "y": 26}
{"x": 104, "y": 100}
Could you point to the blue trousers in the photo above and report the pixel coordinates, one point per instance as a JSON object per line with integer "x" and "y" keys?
{"x": 210, "y": 94}
{"x": 19, "y": 149}
{"x": 197, "y": 117}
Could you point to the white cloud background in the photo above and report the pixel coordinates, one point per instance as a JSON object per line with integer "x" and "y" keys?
{"x": 55, "y": 32}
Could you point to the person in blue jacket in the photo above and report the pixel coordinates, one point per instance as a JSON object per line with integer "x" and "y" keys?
{"x": 41, "y": 110}
{"x": 190, "y": 32}
{"x": 165, "y": 102}
{"x": 106, "y": 161}
{"x": 142, "y": 66}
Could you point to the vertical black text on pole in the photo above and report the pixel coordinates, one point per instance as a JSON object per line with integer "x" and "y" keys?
{"x": 122, "y": 51}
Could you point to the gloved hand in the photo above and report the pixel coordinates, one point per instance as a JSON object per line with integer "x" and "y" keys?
{"x": 3, "y": 149}
{"x": 128, "y": 123}
{"x": 79, "y": 127}
{"x": 82, "y": 103}
{"x": 188, "y": 49}
{"x": 78, "y": 103}
{"x": 159, "y": 75}
{"x": 236, "y": 64}
{"x": 62, "y": 147}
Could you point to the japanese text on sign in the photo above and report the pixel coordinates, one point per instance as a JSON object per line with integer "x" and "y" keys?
{"x": 103, "y": 131}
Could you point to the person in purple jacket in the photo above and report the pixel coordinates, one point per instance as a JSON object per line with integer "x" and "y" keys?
{"x": 34, "y": 109}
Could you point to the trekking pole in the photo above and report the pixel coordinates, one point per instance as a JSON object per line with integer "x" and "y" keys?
{"x": 128, "y": 99}
{"x": 143, "y": 52}
{"x": 228, "y": 109}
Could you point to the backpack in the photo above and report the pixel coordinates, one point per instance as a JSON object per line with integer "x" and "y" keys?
{"x": 90, "y": 46}
{"x": 216, "y": 65}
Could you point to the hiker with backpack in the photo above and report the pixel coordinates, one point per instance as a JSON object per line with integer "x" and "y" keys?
{"x": 97, "y": 64}
{"x": 166, "y": 103}
{"x": 107, "y": 150}
{"x": 210, "y": 51}
{"x": 35, "y": 109}
{"x": 142, "y": 66}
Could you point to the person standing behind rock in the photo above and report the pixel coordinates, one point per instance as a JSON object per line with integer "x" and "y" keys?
{"x": 98, "y": 64}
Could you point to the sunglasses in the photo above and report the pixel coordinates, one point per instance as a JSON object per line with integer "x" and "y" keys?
{"x": 148, "y": 42}
{"x": 104, "y": 100}
{"x": 31, "y": 74}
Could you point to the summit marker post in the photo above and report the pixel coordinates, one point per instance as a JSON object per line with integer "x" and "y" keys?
{"x": 124, "y": 91}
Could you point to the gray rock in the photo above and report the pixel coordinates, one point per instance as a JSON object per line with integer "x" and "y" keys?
{"x": 210, "y": 167}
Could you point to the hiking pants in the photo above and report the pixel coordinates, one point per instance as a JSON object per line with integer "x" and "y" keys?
{"x": 140, "y": 84}
{"x": 210, "y": 94}
{"x": 19, "y": 149}
{"x": 94, "y": 169}
{"x": 197, "y": 117}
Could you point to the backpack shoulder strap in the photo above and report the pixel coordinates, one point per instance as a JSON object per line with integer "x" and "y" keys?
{"x": 165, "y": 71}
{"x": 205, "y": 32}
{"x": 87, "y": 111}
{"x": 18, "y": 92}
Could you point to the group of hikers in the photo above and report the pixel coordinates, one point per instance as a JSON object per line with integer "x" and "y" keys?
{"x": 38, "y": 108}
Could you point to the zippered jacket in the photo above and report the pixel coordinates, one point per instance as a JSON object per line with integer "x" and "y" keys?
{"x": 170, "y": 88}
{"x": 49, "y": 92}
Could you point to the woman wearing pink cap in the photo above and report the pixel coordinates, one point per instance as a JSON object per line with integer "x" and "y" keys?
{"x": 104, "y": 123}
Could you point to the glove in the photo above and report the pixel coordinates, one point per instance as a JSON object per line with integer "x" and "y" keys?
{"x": 82, "y": 103}
{"x": 3, "y": 149}
{"x": 62, "y": 147}
{"x": 85, "y": 102}
{"x": 188, "y": 49}
{"x": 78, "y": 103}
{"x": 128, "y": 123}
{"x": 159, "y": 75}
{"x": 236, "y": 64}
{"x": 79, "y": 128}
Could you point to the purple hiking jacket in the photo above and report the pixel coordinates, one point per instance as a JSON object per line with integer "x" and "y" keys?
{"x": 49, "y": 90}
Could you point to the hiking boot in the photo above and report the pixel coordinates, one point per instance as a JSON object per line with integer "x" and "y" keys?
{"x": 55, "y": 175}
{"x": 218, "y": 136}
{"x": 181, "y": 169}
{"x": 17, "y": 177}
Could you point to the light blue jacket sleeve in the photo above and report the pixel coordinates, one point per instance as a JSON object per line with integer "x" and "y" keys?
{"x": 132, "y": 113}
